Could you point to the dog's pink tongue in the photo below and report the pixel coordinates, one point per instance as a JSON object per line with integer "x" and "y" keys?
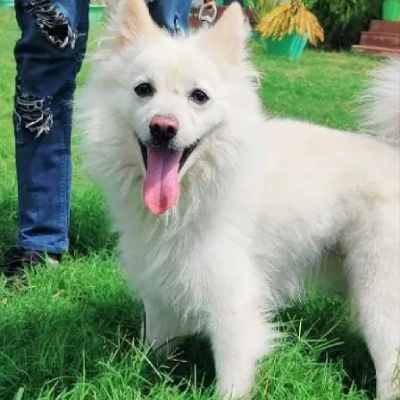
{"x": 161, "y": 184}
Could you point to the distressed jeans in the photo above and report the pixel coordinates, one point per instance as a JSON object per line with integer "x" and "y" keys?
{"x": 49, "y": 56}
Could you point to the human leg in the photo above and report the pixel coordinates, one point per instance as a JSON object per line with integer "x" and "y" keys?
{"x": 171, "y": 14}
{"x": 48, "y": 55}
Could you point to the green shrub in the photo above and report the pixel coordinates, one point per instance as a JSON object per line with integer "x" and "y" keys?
{"x": 344, "y": 20}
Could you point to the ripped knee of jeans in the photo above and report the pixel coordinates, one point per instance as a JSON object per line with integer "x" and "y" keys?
{"x": 33, "y": 113}
{"x": 53, "y": 24}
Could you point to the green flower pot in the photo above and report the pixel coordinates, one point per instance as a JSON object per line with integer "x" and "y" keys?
{"x": 291, "y": 46}
{"x": 96, "y": 13}
{"x": 255, "y": 36}
{"x": 391, "y": 10}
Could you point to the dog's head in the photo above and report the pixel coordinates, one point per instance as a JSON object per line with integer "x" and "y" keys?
{"x": 172, "y": 93}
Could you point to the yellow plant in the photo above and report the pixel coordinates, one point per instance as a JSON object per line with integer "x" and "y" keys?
{"x": 259, "y": 8}
{"x": 288, "y": 18}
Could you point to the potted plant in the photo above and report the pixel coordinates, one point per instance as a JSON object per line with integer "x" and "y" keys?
{"x": 258, "y": 10}
{"x": 391, "y": 10}
{"x": 288, "y": 28}
{"x": 96, "y": 10}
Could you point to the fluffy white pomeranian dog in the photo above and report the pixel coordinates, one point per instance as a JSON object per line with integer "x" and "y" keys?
{"x": 222, "y": 212}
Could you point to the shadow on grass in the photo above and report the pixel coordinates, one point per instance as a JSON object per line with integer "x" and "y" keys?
{"x": 324, "y": 325}
{"x": 326, "y": 319}
{"x": 43, "y": 345}
{"x": 322, "y": 321}
{"x": 90, "y": 231}
{"x": 8, "y": 222}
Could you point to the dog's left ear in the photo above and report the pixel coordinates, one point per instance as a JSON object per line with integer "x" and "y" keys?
{"x": 228, "y": 37}
{"x": 130, "y": 21}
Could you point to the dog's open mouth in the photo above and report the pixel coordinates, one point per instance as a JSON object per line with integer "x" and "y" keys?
{"x": 161, "y": 186}
{"x": 185, "y": 154}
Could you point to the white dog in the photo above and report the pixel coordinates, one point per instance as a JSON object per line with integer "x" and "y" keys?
{"x": 222, "y": 212}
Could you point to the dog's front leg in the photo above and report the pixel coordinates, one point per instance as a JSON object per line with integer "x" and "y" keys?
{"x": 238, "y": 330}
{"x": 162, "y": 330}
{"x": 239, "y": 337}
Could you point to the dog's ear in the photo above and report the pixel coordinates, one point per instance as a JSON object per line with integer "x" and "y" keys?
{"x": 228, "y": 37}
{"x": 130, "y": 21}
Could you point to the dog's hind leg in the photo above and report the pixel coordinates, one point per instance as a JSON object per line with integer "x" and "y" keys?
{"x": 373, "y": 266}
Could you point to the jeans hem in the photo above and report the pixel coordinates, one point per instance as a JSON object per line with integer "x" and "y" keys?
{"x": 42, "y": 249}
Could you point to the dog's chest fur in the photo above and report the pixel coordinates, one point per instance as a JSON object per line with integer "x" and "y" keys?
{"x": 167, "y": 266}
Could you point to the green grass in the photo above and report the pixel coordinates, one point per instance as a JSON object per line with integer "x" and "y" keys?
{"x": 71, "y": 332}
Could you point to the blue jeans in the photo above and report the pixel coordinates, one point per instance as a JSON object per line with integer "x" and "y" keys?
{"x": 49, "y": 56}
{"x": 171, "y": 14}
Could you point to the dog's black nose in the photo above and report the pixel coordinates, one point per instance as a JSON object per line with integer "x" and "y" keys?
{"x": 163, "y": 129}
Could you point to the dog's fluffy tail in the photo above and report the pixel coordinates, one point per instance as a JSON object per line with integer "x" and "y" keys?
{"x": 381, "y": 102}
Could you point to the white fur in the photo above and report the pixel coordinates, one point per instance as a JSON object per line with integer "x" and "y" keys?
{"x": 262, "y": 201}
{"x": 381, "y": 113}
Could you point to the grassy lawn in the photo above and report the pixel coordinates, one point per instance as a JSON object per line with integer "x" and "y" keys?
{"x": 71, "y": 333}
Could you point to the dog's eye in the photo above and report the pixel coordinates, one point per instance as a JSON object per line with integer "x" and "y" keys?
{"x": 199, "y": 97}
{"x": 144, "y": 90}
